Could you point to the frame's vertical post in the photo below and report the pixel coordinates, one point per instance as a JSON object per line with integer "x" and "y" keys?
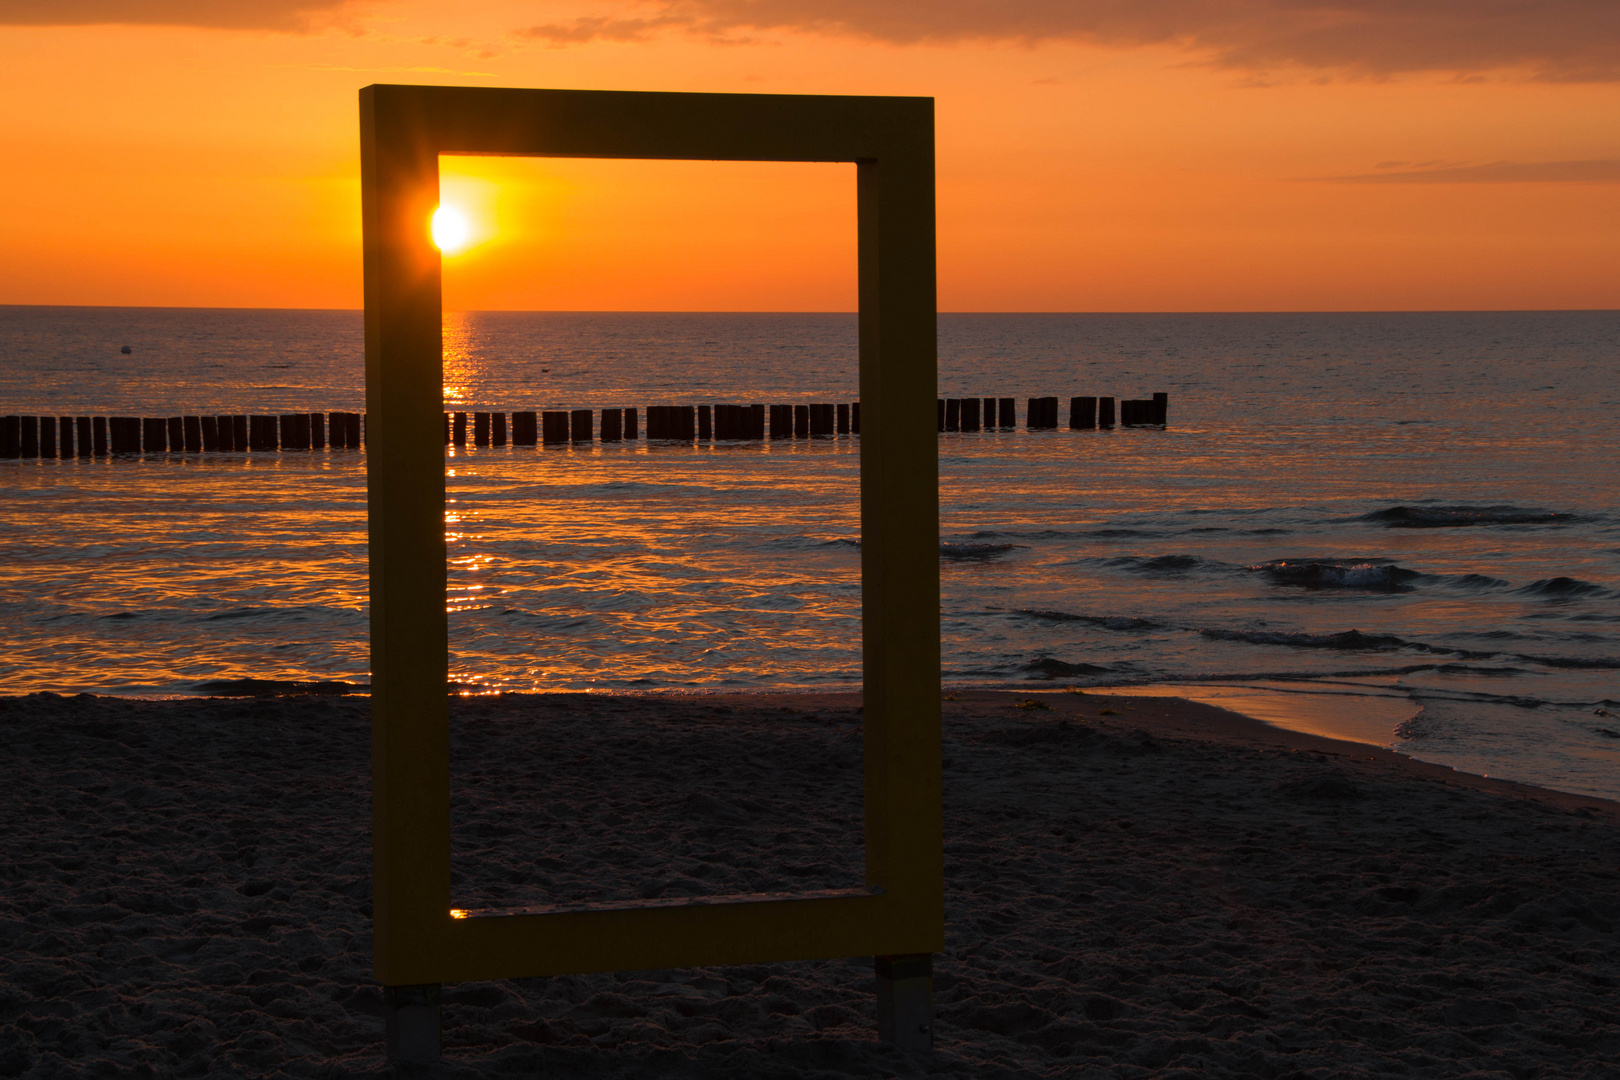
{"x": 410, "y": 729}
{"x": 411, "y": 1023}
{"x": 900, "y": 524}
{"x": 905, "y": 1000}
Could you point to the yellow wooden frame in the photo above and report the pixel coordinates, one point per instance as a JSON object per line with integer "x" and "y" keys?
{"x": 403, "y": 130}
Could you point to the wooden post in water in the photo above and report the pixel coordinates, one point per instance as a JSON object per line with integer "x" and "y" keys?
{"x": 756, "y": 422}
{"x": 83, "y": 431}
{"x": 854, "y": 418}
{"x": 953, "y": 414}
{"x": 1042, "y": 413}
{"x": 1007, "y": 408}
{"x": 553, "y": 427}
{"x": 612, "y": 425}
{"x": 1161, "y": 409}
{"x": 480, "y": 429}
{"x": 295, "y": 431}
{"x": 939, "y": 404}
{"x": 801, "y": 421}
{"x": 177, "y": 434}
{"x": 497, "y": 429}
{"x": 154, "y": 434}
{"x": 1143, "y": 412}
{"x": 317, "y": 431}
{"x": 582, "y": 428}
{"x": 630, "y": 423}
{"x": 822, "y": 425}
{"x": 970, "y": 414}
{"x": 1082, "y": 413}
{"x": 525, "y": 429}
{"x": 28, "y": 436}
{"x": 262, "y": 433}
{"x": 781, "y": 421}
{"x": 98, "y": 430}
{"x": 191, "y": 434}
{"x": 458, "y": 428}
{"x": 706, "y": 417}
{"x": 210, "y": 433}
{"x": 843, "y": 419}
{"x": 123, "y": 435}
{"x": 47, "y": 436}
{"x": 1105, "y": 412}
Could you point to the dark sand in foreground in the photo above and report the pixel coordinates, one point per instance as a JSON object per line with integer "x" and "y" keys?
{"x": 1171, "y": 890}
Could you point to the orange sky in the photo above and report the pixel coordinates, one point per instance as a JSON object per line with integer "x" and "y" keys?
{"x": 1402, "y": 156}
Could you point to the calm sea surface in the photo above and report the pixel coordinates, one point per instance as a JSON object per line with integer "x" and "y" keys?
{"x": 1400, "y": 528}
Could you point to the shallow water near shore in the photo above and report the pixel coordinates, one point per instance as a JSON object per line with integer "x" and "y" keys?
{"x": 1411, "y": 515}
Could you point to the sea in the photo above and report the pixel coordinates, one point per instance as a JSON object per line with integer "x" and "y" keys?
{"x": 1397, "y": 528}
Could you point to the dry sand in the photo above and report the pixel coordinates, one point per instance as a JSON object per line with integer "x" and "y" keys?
{"x": 1135, "y": 887}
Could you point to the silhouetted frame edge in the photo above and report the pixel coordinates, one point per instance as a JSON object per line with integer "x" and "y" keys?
{"x": 900, "y": 910}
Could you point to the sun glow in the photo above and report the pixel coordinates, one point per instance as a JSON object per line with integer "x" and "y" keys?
{"x": 452, "y": 232}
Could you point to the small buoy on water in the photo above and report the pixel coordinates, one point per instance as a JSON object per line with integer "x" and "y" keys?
{"x": 126, "y": 350}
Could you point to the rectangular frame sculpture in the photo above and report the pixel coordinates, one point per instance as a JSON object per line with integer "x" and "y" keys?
{"x": 900, "y": 910}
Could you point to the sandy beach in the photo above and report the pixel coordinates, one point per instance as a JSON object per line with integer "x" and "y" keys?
{"x": 1136, "y": 887}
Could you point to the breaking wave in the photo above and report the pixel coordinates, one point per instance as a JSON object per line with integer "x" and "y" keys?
{"x": 1334, "y": 574}
{"x": 1159, "y": 564}
{"x": 1451, "y": 517}
{"x": 1345, "y": 639}
{"x": 276, "y": 688}
{"x": 1562, "y": 588}
{"x": 1107, "y": 622}
{"x": 975, "y": 551}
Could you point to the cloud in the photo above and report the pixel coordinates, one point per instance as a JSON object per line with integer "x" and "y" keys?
{"x": 220, "y": 14}
{"x": 602, "y": 28}
{"x": 1561, "y": 40}
{"x": 1603, "y": 171}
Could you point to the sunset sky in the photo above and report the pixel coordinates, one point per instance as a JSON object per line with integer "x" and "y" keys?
{"x": 1094, "y": 155}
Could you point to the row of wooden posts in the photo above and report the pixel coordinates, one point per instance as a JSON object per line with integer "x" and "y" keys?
{"x": 98, "y": 436}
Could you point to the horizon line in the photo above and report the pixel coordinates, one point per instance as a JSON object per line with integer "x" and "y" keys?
{"x": 705, "y": 311}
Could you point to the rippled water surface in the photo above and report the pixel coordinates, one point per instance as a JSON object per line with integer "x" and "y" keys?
{"x": 1415, "y": 512}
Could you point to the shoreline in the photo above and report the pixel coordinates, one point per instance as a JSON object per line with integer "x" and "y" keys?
{"x": 1159, "y": 889}
{"x": 1214, "y": 721}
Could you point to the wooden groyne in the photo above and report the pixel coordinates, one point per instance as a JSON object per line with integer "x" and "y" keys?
{"x": 103, "y": 436}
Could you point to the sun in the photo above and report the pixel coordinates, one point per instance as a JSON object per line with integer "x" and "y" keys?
{"x": 452, "y": 233}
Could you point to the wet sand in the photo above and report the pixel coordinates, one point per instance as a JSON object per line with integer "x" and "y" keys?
{"x": 1135, "y": 887}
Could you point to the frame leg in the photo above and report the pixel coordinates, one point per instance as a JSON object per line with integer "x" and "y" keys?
{"x": 905, "y": 1000}
{"x": 411, "y": 1022}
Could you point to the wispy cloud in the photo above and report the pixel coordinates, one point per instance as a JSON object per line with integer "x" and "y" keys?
{"x": 1560, "y": 40}
{"x": 603, "y": 28}
{"x": 1601, "y": 171}
{"x": 1555, "y": 40}
{"x": 218, "y": 14}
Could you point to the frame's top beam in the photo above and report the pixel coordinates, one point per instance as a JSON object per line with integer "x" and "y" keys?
{"x": 633, "y": 124}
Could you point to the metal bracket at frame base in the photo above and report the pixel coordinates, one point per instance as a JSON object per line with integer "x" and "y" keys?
{"x": 905, "y": 1000}
{"x": 411, "y": 1022}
